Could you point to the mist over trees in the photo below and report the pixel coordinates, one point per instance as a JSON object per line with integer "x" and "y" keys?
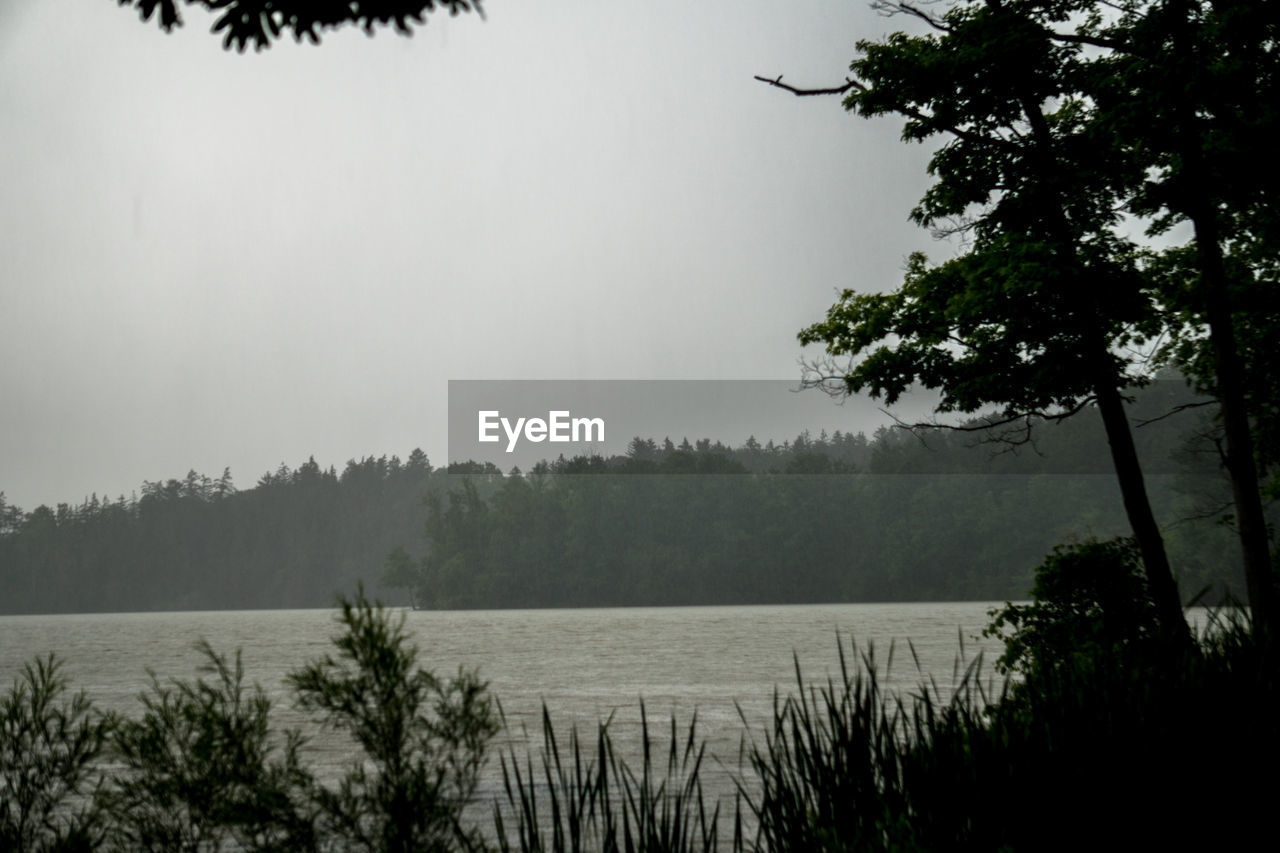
{"x": 934, "y": 515}
{"x": 292, "y": 540}
{"x": 898, "y": 517}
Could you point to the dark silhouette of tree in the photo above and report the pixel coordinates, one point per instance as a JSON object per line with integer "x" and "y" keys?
{"x": 1166, "y": 108}
{"x": 1032, "y": 317}
{"x": 262, "y": 22}
{"x": 1192, "y": 87}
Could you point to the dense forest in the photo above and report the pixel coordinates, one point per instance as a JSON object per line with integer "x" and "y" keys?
{"x": 292, "y": 540}
{"x": 926, "y": 515}
{"x": 929, "y": 515}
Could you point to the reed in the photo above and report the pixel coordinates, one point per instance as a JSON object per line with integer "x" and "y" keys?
{"x": 585, "y": 796}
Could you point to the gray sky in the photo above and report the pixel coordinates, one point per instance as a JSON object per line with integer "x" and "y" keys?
{"x": 213, "y": 259}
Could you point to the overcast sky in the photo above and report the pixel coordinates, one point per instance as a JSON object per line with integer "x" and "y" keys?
{"x": 213, "y": 259}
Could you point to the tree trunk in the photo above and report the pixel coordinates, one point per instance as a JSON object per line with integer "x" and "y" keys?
{"x": 1124, "y": 456}
{"x": 1199, "y": 204}
{"x": 1250, "y": 521}
{"x": 1137, "y": 506}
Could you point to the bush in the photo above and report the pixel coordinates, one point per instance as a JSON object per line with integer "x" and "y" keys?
{"x": 424, "y": 738}
{"x": 201, "y": 770}
{"x": 49, "y": 744}
{"x": 1089, "y": 599}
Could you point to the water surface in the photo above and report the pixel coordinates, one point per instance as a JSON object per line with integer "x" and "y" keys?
{"x": 585, "y": 664}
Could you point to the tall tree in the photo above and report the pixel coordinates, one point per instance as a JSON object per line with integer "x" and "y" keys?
{"x": 1193, "y": 87}
{"x": 1032, "y": 316}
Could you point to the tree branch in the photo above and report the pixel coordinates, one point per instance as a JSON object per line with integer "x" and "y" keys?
{"x": 1096, "y": 41}
{"x": 801, "y": 93}
{"x": 1175, "y": 410}
{"x": 909, "y": 112}
{"x": 890, "y": 9}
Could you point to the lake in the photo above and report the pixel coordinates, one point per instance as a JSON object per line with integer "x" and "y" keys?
{"x": 584, "y": 664}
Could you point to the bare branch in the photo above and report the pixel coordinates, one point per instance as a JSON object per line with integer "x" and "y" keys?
{"x": 826, "y": 376}
{"x": 1018, "y": 435}
{"x": 801, "y": 93}
{"x": 1175, "y": 410}
{"x": 1017, "y": 417}
{"x": 884, "y": 7}
{"x": 910, "y": 112}
{"x": 1223, "y": 510}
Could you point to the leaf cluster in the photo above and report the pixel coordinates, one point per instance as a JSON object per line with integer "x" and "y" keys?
{"x": 262, "y": 22}
{"x": 1031, "y": 316}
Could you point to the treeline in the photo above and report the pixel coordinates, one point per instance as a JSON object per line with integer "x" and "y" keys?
{"x": 930, "y": 515}
{"x": 293, "y": 540}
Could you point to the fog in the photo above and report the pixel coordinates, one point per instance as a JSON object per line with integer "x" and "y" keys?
{"x": 215, "y": 259}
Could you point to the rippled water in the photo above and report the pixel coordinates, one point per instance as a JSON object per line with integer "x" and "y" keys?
{"x": 584, "y": 664}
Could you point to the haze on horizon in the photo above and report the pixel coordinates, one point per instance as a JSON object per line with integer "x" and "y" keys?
{"x": 215, "y": 259}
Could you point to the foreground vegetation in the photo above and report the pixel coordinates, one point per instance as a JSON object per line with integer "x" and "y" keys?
{"x": 1099, "y": 730}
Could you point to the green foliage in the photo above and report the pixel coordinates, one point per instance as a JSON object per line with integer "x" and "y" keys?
{"x": 400, "y": 570}
{"x": 424, "y": 738}
{"x": 1254, "y": 280}
{"x": 1027, "y": 317}
{"x": 928, "y": 516}
{"x": 261, "y": 22}
{"x": 1089, "y": 599}
{"x": 202, "y": 770}
{"x": 1056, "y": 119}
{"x": 49, "y": 744}
{"x": 893, "y": 515}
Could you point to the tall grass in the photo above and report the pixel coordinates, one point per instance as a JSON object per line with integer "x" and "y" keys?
{"x": 1156, "y": 749}
{"x": 587, "y": 797}
{"x": 831, "y": 770}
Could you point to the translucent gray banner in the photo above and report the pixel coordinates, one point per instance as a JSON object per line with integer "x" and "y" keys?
{"x": 519, "y": 423}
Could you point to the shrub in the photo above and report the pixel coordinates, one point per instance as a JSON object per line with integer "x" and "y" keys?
{"x": 1089, "y": 599}
{"x": 201, "y": 769}
{"x": 49, "y": 744}
{"x": 424, "y": 738}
